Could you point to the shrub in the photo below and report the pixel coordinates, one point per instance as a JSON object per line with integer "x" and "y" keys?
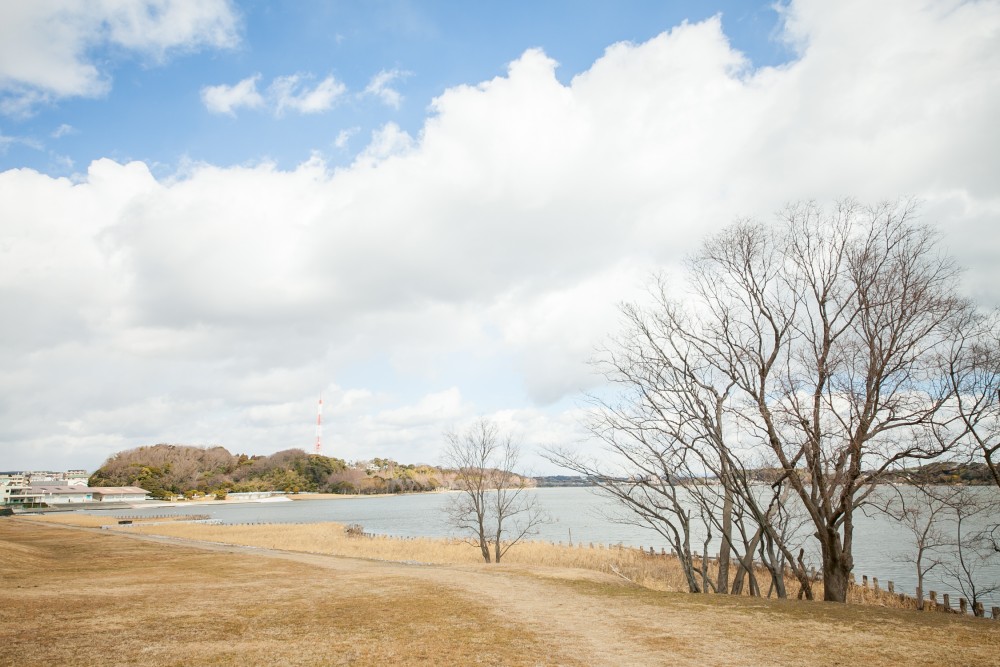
{"x": 354, "y": 530}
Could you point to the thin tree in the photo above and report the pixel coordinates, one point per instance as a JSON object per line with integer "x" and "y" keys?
{"x": 493, "y": 507}
{"x": 970, "y": 554}
{"x": 922, "y": 510}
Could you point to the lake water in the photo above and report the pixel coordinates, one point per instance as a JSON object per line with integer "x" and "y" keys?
{"x": 577, "y": 513}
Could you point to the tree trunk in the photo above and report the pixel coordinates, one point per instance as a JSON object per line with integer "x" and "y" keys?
{"x": 805, "y": 584}
{"x": 837, "y": 558}
{"x": 689, "y": 573}
{"x": 484, "y": 545}
{"x": 835, "y": 579}
{"x": 722, "y": 584}
{"x": 746, "y": 567}
{"x": 920, "y": 580}
{"x": 775, "y": 566}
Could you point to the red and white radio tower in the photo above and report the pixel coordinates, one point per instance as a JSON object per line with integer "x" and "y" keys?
{"x": 319, "y": 426}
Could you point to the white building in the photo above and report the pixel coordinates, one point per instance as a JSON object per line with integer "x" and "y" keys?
{"x": 53, "y": 494}
{"x": 12, "y": 485}
{"x": 68, "y": 494}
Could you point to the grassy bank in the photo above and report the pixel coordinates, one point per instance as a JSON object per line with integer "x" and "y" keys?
{"x": 84, "y": 597}
{"x": 655, "y": 572}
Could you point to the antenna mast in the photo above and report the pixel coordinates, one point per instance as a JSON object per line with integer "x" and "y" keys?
{"x": 319, "y": 426}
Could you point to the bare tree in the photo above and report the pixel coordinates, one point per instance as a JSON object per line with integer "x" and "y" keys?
{"x": 674, "y": 470}
{"x": 970, "y": 551}
{"x": 493, "y": 507}
{"x": 816, "y": 346}
{"x": 922, "y": 511}
{"x": 974, "y": 373}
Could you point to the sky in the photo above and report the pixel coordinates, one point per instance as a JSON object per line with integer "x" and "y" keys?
{"x": 214, "y": 212}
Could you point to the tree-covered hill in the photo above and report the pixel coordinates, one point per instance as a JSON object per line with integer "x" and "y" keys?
{"x": 167, "y": 470}
{"x": 946, "y": 472}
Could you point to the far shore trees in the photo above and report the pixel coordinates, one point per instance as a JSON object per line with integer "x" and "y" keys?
{"x": 492, "y": 507}
{"x": 817, "y": 348}
{"x": 170, "y": 470}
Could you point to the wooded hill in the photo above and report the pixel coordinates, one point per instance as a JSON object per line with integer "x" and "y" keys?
{"x": 946, "y": 472}
{"x": 168, "y": 470}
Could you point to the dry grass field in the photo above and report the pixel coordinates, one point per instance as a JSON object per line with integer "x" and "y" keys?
{"x": 84, "y": 596}
{"x": 79, "y": 598}
{"x": 653, "y": 572}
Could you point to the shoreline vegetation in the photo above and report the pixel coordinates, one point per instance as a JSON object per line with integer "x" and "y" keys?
{"x": 311, "y": 594}
{"x": 647, "y": 568}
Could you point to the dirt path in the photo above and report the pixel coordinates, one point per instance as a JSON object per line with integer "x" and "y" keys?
{"x": 538, "y": 597}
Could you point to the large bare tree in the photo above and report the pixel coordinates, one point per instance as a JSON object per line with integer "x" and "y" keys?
{"x": 493, "y": 507}
{"x": 669, "y": 428}
{"x": 816, "y": 347}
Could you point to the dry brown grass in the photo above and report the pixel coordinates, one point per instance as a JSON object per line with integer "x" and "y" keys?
{"x": 84, "y": 597}
{"x": 77, "y": 598}
{"x": 649, "y": 571}
{"x": 656, "y": 573}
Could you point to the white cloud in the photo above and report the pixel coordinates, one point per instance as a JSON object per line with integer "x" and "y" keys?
{"x": 380, "y": 87}
{"x": 344, "y": 137}
{"x": 226, "y": 99}
{"x": 48, "y": 50}
{"x": 468, "y": 270}
{"x": 163, "y": 25}
{"x": 18, "y": 101}
{"x": 290, "y": 93}
{"x": 7, "y": 141}
{"x": 285, "y": 93}
{"x": 63, "y": 130}
{"x": 386, "y": 141}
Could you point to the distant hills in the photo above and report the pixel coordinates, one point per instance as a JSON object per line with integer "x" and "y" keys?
{"x": 167, "y": 470}
{"x": 972, "y": 474}
{"x": 945, "y": 472}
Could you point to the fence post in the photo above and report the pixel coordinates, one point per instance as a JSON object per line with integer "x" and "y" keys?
{"x": 996, "y": 613}
{"x": 932, "y": 596}
{"x": 945, "y": 602}
{"x": 875, "y": 584}
{"x": 963, "y": 606}
{"x": 977, "y": 609}
{"x": 892, "y": 588}
{"x": 864, "y": 580}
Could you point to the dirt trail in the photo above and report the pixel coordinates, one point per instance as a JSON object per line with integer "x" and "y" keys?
{"x": 597, "y": 633}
